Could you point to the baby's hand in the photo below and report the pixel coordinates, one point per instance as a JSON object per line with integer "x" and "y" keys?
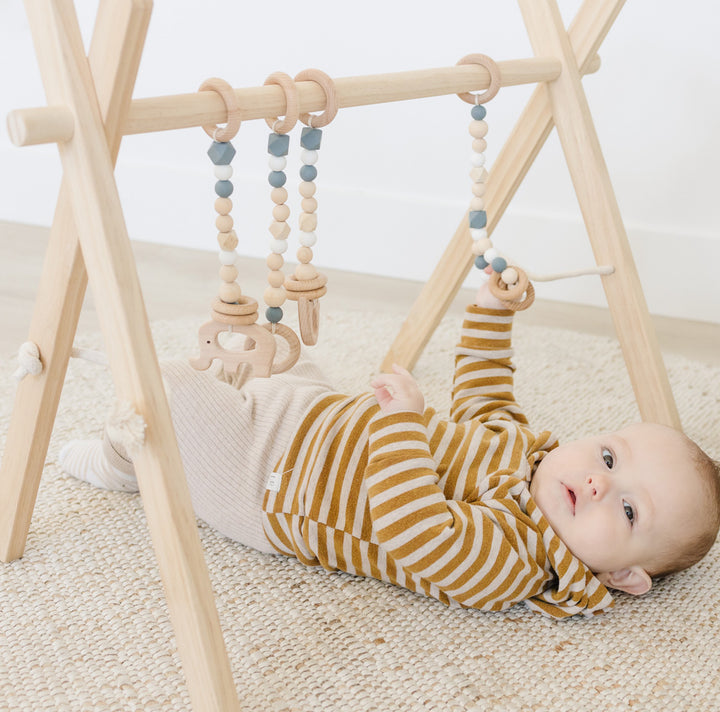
{"x": 398, "y": 392}
{"x": 486, "y": 299}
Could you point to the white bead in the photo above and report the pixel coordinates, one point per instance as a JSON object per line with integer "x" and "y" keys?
{"x": 477, "y": 159}
{"x": 228, "y": 257}
{"x": 478, "y": 233}
{"x": 509, "y": 275}
{"x": 278, "y": 246}
{"x": 277, "y": 163}
{"x": 223, "y": 172}
{"x": 308, "y": 239}
{"x": 309, "y": 157}
{"x": 491, "y": 254}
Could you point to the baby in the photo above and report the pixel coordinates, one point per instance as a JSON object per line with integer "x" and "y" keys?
{"x": 478, "y": 510}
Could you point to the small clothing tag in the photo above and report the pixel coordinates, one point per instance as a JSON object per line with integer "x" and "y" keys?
{"x": 274, "y": 482}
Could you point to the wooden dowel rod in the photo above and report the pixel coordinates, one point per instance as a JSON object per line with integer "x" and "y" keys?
{"x": 47, "y": 124}
{"x": 179, "y": 111}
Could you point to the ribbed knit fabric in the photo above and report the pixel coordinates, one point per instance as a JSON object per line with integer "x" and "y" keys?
{"x": 439, "y": 507}
{"x": 231, "y": 436}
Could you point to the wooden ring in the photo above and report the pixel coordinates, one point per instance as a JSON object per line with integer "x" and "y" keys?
{"x": 227, "y": 93}
{"x": 328, "y": 86}
{"x": 291, "y": 103}
{"x": 234, "y": 319}
{"x": 495, "y": 78}
{"x": 306, "y": 294}
{"x": 309, "y": 319}
{"x": 245, "y": 305}
{"x": 305, "y": 285}
{"x": 290, "y": 336}
{"x": 505, "y": 292}
{"x": 525, "y": 303}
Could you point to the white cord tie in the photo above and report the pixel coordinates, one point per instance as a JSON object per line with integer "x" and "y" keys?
{"x": 29, "y": 361}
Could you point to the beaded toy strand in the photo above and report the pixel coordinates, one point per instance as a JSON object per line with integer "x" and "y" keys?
{"x": 306, "y": 284}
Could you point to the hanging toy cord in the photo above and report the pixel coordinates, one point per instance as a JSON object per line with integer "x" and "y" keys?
{"x": 508, "y": 282}
{"x": 307, "y": 285}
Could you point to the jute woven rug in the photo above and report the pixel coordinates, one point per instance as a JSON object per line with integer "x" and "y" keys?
{"x": 84, "y": 626}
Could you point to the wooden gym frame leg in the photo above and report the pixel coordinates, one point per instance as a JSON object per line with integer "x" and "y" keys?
{"x": 586, "y": 33}
{"x": 91, "y": 193}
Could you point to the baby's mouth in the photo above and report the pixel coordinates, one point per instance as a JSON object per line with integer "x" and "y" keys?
{"x": 572, "y": 498}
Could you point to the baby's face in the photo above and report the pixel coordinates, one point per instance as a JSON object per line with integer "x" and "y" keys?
{"x": 619, "y": 500}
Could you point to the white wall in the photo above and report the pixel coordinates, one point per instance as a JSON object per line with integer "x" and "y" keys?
{"x": 393, "y": 181}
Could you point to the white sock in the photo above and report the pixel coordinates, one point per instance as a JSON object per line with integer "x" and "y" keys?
{"x": 90, "y": 461}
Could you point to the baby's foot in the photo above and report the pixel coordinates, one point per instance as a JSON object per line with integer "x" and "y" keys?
{"x": 86, "y": 460}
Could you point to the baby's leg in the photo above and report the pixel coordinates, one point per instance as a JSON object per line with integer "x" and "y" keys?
{"x": 229, "y": 440}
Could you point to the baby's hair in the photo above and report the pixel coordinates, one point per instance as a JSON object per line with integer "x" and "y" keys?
{"x": 708, "y": 472}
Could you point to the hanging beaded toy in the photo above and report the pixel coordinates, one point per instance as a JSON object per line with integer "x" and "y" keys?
{"x": 231, "y": 310}
{"x": 508, "y": 283}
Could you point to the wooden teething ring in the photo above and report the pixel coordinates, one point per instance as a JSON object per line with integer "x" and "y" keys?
{"x": 328, "y": 86}
{"x": 511, "y": 296}
{"x": 227, "y": 93}
{"x": 291, "y": 103}
{"x": 495, "y": 78}
{"x": 293, "y": 342}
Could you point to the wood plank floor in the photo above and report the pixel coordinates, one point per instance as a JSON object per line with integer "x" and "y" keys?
{"x": 179, "y": 281}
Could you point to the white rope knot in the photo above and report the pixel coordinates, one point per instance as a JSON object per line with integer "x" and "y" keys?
{"x": 126, "y": 427}
{"x": 29, "y": 361}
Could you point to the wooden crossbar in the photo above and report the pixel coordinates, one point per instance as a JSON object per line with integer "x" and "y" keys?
{"x": 90, "y": 109}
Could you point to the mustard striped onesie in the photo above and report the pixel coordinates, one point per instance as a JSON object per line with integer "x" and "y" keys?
{"x": 440, "y": 507}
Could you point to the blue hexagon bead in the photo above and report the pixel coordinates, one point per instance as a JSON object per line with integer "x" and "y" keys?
{"x": 221, "y": 153}
{"x": 277, "y": 179}
{"x": 278, "y": 144}
{"x": 499, "y": 264}
{"x": 478, "y": 112}
{"x": 224, "y": 188}
{"x": 274, "y": 314}
{"x": 480, "y": 262}
{"x": 310, "y": 138}
{"x": 308, "y": 173}
{"x": 478, "y": 219}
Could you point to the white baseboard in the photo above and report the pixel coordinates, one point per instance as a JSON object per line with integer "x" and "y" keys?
{"x": 399, "y": 235}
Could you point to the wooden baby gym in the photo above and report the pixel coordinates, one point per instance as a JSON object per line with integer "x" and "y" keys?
{"x": 90, "y": 107}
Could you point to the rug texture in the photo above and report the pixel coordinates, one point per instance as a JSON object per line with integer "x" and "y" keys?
{"x": 84, "y": 625}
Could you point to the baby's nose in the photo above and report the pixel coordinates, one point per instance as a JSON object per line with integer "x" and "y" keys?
{"x": 597, "y": 485}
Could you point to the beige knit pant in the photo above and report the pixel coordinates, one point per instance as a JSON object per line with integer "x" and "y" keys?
{"x": 232, "y": 436}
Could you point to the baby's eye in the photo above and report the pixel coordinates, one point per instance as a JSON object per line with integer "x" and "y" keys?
{"x": 629, "y": 512}
{"x": 609, "y": 458}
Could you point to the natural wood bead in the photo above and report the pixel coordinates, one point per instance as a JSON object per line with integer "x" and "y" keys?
{"x": 224, "y": 223}
{"x": 276, "y": 278}
{"x": 307, "y": 189}
{"x": 281, "y": 212}
{"x": 478, "y": 129}
{"x": 477, "y": 204}
{"x": 304, "y": 255}
{"x": 478, "y": 175}
{"x": 279, "y": 195}
{"x": 479, "y": 145}
{"x": 308, "y": 222}
{"x": 229, "y": 292}
{"x": 305, "y": 272}
{"x": 478, "y": 189}
{"x": 274, "y": 296}
{"x": 227, "y": 240}
{"x": 228, "y": 273}
{"x": 279, "y": 230}
{"x": 223, "y": 206}
{"x": 274, "y": 261}
{"x": 309, "y": 205}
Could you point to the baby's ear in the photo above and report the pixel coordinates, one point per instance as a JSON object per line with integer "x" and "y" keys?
{"x": 634, "y": 580}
